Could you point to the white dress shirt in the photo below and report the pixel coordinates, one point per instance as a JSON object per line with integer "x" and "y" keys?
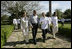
{"x": 18, "y": 21}
{"x": 15, "y": 21}
{"x": 44, "y": 21}
{"x": 54, "y": 20}
{"x": 34, "y": 19}
{"x": 49, "y": 20}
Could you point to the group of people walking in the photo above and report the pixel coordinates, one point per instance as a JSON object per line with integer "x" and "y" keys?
{"x": 33, "y": 21}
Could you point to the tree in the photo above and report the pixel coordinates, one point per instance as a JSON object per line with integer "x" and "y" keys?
{"x": 59, "y": 13}
{"x": 15, "y": 8}
{"x": 5, "y": 5}
{"x": 67, "y": 13}
{"x": 18, "y": 6}
{"x": 47, "y": 14}
{"x": 50, "y": 9}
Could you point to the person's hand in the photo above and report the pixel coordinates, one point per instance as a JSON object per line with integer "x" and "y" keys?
{"x": 31, "y": 26}
{"x": 41, "y": 23}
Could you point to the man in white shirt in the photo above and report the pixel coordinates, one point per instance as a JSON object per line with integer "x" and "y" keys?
{"x": 54, "y": 24}
{"x": 44, "y": 25}
{"x": 34, "y": 25}
{"x": 62, "y": 21}
{"x": 15, "y": 23}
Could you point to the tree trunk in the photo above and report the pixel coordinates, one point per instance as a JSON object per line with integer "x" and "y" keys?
{"x": 50, "y": 8}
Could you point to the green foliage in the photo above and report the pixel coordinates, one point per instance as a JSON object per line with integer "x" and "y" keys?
{"x": 4, "y": 18}
{"x": 11, "y": 19}
{"x": 67, "y": 13}
{"x": 59, "y": 13}
{"x": 6, "y": 22}
{"x": 14, "y": 10}
{"x": 6, "y": 31}
{"x": 47, "y": 14}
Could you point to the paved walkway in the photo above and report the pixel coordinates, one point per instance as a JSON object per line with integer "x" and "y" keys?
{"x": 16, "y": 40}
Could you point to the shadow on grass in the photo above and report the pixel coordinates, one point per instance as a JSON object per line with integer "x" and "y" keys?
{"x": 14, "y": 43}
{"x": 64, "y": 33}
{"x": 21, "y": 42}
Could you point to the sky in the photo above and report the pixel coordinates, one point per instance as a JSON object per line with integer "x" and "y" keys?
{"x": 63, "y": 5}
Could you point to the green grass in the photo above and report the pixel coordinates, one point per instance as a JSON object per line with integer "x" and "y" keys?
{"x": 6, "y": 31}
{"x": 65, "y": 30}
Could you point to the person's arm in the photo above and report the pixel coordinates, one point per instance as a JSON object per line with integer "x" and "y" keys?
{"x": 30, "y": 22}
{"x": 21, "y": 25}
{"x": 57, "y": 22}
{"x": 13, "y": 21}
{"x": 48, "y": 21}
{"x": 51, "y": 21}
{"x": 37, "y": 19}
{"x": 40, "y": 22}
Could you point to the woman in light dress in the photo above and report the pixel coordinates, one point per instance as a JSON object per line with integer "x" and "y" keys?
{"x": 25, "y": 26}
{"x": 54, "y": 24}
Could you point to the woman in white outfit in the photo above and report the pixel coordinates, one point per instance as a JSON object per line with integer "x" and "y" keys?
{"x": 54, "y": 24}
{"x": 24, "y": 26}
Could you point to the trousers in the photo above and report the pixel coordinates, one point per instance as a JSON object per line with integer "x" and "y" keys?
{"x": 34, "y": 31}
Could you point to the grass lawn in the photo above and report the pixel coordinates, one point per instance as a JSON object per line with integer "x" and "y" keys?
{"x": 6, "y": 31}
{"x": 65, "y": 30}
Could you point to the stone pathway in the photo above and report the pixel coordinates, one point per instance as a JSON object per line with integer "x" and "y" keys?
{"x": 16, "y": 40}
